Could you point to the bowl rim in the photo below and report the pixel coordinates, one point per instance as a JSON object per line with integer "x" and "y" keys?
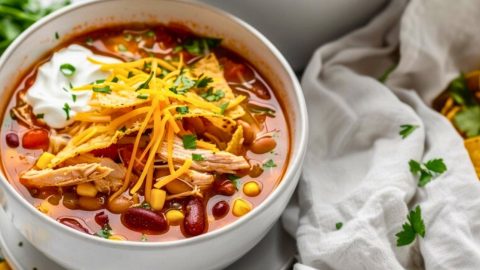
{"x": 295, "y": 162}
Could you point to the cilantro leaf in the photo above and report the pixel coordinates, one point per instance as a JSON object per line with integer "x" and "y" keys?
{"x": 189, "y": 141}
{"x": 198, "y": 46}
{"x": 211, "y": 96}
{"x": 468, "y": 121}
{"x": 223, "y": 107}
{"x": 269, "y": 164}
{"x": 428, "y": 170}
{"x": 436, "y": 165}
{"x": 142, "y": 96}
{"x": 182, "y": 109}
{"x": 40, "y": 116}
{"x": 235, "y": 179}
{"x": 339, "y": 225}
{"x": 406, "y": 130}
{"x": 411, "y": 228}
{"x": 387, "y": 73}
{"x": 203, "y": 81}
{"x": 197, "y": 157}
{"x": 105, "y": 232}
{"x": 145, "y": 84}
{"x": 460, "y": 93}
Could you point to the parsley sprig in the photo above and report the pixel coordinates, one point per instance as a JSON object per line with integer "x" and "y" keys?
{"x": 410, "y": 229}
{"x": 427, "y": 170}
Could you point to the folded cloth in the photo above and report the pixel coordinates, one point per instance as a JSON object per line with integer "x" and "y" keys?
{"x": 356, "y": 171}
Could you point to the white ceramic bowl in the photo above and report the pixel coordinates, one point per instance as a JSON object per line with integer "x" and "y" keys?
{"x": 214, "y": 250}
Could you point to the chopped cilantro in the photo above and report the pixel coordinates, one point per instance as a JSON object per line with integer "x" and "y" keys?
{"x": 130, "y": 75}
{"x": 105, "y": 232}
{"x": 428, "y": 170}
{"x": 177, "y": 49}
{"x": 105, "y": 90}
{"x": 411, "y": 228}
{"x": 66, "y": 108}
{"x": 406, "y": 130}
{"x": 387, "y": 73}
{"x": 468, "y": 121}
{"x": 235, "y": 179}
{"x": 99, "y": 81}
{"x": 182, "y": 109}
{"x": 198, "y": 46}
{"x": 57, "y": 36}
{"x": 145, "y": 84}
{"x": 338, "y": 225}
{"x": 203, "y": 81}
{"x": 123, "y": 129}
{"x": 223, "y": 107}
{"x": 150, "y": 33}
{"x": 142, "y": 96}
{"x": 74, "y": 98}
{"x": 460, "y": 93}
{"x": 67, "y": 69}
{"x": 182, "y": 84}
{"x": 189, "y": 141}
{"x": 115, "y": 80}
{"x": 211, "y": 96}
{"x": 145, "y": 205}
{"x": 197, "y": 157}
{"x": 40, "y": 116}
{"x": 269, "y": 164}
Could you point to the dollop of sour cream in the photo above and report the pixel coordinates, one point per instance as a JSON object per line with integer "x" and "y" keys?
{"x": 51, "y": 94}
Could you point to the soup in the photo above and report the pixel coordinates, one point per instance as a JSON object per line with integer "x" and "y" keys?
{"x": 460, "y": 104}
{"x": 144, "y": 133}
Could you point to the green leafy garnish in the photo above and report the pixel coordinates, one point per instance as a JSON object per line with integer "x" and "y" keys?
{"x": 203, "y": 82}
{"x": 223, "y": 107}
{"x": 57, "y": 36}
{"x": 142, "y": 96}
{"x": 145, "y": 84}
{"x": 406, "y": 130}
{"x": 197, "y": 157}
{"x": 460, "y": 93}
{"x": 427, "y": 170}
{"x": 105, "y": 90}
{"x": 66, "y": 108}
{"x": 105, "y": 232}
{"x": 189, "y": 141}
{"x": 74, "y": 98}
{"x": 115, "y": 79}
{"x": 182, "y": 84}
{"x": 177, "y": 49}
{"x": 40, "y": 116}
{"x": 18, "y": 15}
{"x": 182, "y": 109}
{"x": 387, "y": 73}
{"x": 130, "y": 75}
{"x": 145, "y": 205}
{"x": 269, "y": 164}
{"x": 198, "y": 46}
{"x": 413, "y": 227}
{"x": 123, "y": 129}
{"x": 339, "y": 225}
{"x": 150, "y": 33}
{"x": 67, "y": 69}
{"x": 211, "y": 96}
{"x": 235, "y": 179}
{"x": 468, "y": 121}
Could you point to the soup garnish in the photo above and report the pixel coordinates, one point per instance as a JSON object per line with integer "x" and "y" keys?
{"x": 144, "y": 133}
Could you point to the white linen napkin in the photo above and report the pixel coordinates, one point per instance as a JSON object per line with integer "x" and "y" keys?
{"x": 356, "y": 170}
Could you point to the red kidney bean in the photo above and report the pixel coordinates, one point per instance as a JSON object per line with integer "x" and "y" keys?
{"x": 220, "y": 209}
{"x": 101, "y": 219}
{"x": 74, "y": 224}
{"x": 224, "y": 187}
{"x": 35, "y": 139}
{"x": 145, "y": 221}
{"x": 12, "y": 140}
{"x": 194, "y": 222}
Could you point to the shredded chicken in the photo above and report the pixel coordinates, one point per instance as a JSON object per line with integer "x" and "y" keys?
{"x": 221, "y": 161}
{"x": 65, "y": 176}
{"x": 194, "y": 178}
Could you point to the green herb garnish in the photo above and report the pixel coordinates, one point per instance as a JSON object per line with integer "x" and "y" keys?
{"x": 406, "y": 130}
{"x": 413, "y": 227}
{"x": 105, "y": 232}
{"x": 105, "y": 90}
{"x": 115, "y": 80}
{"x": 57, "y": 36}
{"x": 150, "y": 33}
{"x": 66, "y": 108}
{"x": 427, "y": 170}
{"x": 67, "y": 69}
{"x": 122, "y": 48}
{"x": 182, "y": 109}
{"x": 198, "y": 46}
{"x": 197, "y": 157}
{"x": 203, "y": 82}
{"x": 145, "y": 84}
{"x": 338, "y": 225}
{"x": 223, "y": 107}
{"x": 269, "y": 164}
{"x": 142, "y": 96}
{"x": 235, "y": 179}
{"x": 40, "y": 116}
{"x": 189, "y": 141}
{"x": 211, "y": 96}
{"x": 123, "y": 129}
{"x": 387, "y": 73}
{"x": 74, "y": 98}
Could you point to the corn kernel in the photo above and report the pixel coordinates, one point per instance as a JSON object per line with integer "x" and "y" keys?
{"x": 251, "y": 189}
{"x": 44, "y": 160}
{"x": 87, "y": 190}
{"x": 4, "y": 266}
{"x": 175, "y": 217}
{"x": 117, "y": 237}
{"x": 241, "y": 207}
{"x": 44, "y": 207}
{"x": 177, "y": 186}
{"x": 157, "y": 199}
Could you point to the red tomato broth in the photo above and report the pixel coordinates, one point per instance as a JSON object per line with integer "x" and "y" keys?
{"x": 105, "y": 42}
